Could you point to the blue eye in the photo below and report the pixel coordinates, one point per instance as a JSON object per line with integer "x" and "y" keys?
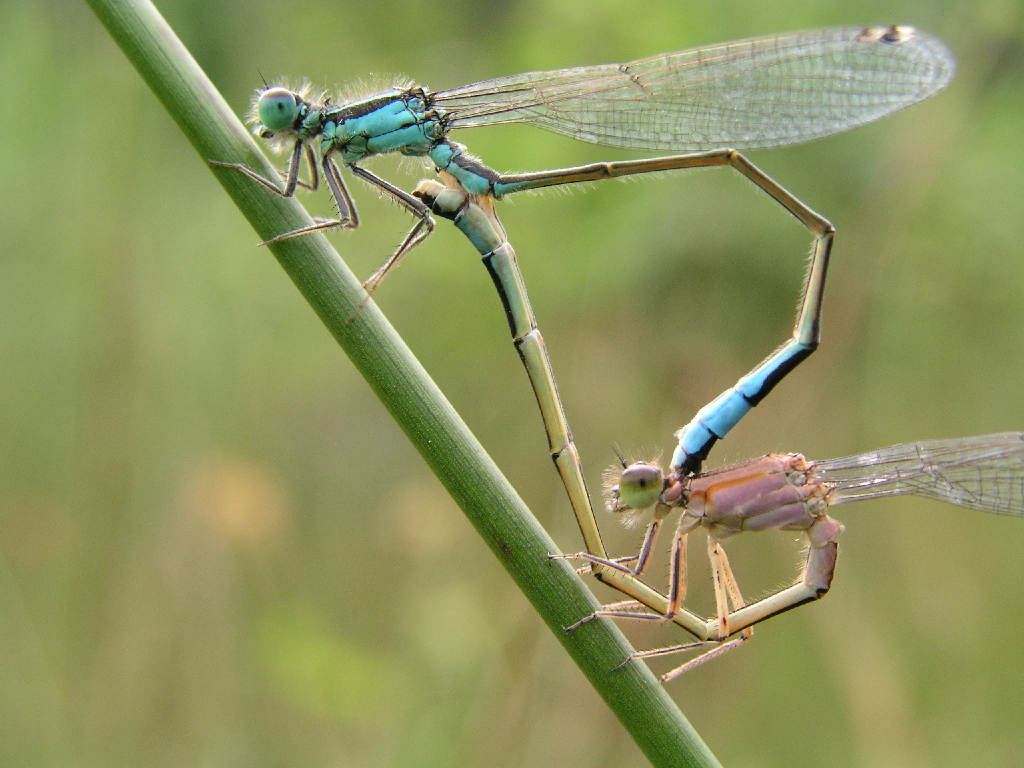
{"x": 277, "y": 109}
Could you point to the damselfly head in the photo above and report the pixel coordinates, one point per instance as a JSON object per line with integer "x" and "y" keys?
{"x": 632, "y": 489}
{"x": 277, "y": 109}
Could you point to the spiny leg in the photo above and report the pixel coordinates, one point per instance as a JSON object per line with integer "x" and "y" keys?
{"x": 419, "y": 232}
{"x": 727, "y": 593}
{"x": 660, "y": 607}
{"x": 678, "y": 573}
{"x": 625, "y": 609}
{"x": 724, "y": 583}
{"x": 619, "y": 563}
{"x": 348, "y": 217}
{"x": 635, "y": 610}
{"x": 719, "y": 647}
{"x": 290, "y": 177}
{"x": 314, "y": 176}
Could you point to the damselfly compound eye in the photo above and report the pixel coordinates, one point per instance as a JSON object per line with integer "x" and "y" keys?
{"x": 640, "y": 485}
{"x": 277, "y": 109}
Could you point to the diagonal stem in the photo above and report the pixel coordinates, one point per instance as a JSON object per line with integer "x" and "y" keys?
{"x": 437, "y": 432}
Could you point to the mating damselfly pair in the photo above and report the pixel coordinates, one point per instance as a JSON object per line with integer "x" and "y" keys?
{"x": 708, "y": 102}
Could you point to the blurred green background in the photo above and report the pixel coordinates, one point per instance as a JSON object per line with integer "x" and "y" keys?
{"x": 217, "y": 550}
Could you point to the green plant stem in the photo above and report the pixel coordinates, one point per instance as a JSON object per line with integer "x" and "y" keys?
{"x": 435, "y": 429}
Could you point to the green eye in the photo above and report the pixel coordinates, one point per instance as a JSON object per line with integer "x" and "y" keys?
{"x": 640, "y": 485}
{"x": 277, "y": 109}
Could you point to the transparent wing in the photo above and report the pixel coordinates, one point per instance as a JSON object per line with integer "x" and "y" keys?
{"x": 761, "y": 92}
{"x": 984, "y": 473}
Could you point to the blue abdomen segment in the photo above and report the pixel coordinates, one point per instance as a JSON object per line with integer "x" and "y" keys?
{"x": 475, "y": 177}
{"x": 715, "y": 419}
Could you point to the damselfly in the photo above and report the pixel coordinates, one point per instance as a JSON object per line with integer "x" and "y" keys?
{"x": 763, "y": 92}
{"x": 787, "y": 492}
